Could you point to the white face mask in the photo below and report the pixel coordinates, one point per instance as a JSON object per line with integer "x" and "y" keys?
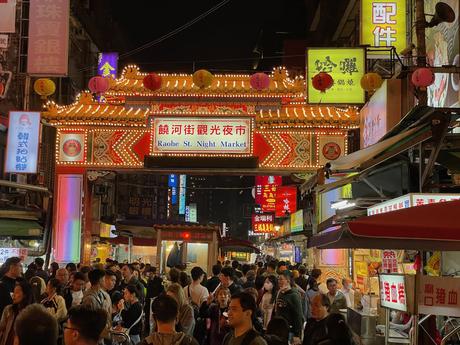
{"x": 268, "y": 286}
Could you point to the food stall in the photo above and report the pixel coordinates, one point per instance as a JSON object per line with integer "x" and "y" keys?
{"x": 422, "y": 228}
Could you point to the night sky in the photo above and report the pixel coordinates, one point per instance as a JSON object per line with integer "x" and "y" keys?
{"x": 222, "y": 41}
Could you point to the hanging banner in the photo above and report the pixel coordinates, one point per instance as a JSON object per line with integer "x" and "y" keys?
{"x": 346, "y": 66}
{"x": 22, "y": 143}
{"x": 8, "y": 16}
{"x": 267, "y": 198}
{"x": 48, "y": 37}
{"x": 172, "y": 183}
{"x": 286, "y": 201}
{"x": 383, "y": 23}
{"x": 263, "y": 223}
{"x": 389, "y": 261}
{"x": 107, "y": 64}
{"x": 439, "y": 296}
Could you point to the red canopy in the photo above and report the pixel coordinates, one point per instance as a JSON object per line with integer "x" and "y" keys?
{"x": 428, "y": 227}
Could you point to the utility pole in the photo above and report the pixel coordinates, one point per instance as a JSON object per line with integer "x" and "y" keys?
{"x": 420, "y": 25}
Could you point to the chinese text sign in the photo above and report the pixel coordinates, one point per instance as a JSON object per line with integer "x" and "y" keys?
{"x": 48, "y": 37}
{"x": 383, "y": 23}
{"x": 286, "y": 201}
{"x": 22, "y": 147}
{"x": 345, "y": 65}
{"x": 389, "y": 261}
{"x": 393, "y": 292}
{"x": 202, "y": 135}
{"x": 439, "y": 296}
{"x": 263, "y": 223}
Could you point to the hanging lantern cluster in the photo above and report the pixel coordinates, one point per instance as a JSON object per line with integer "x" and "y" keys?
{"x": 44, "y": 87}
{"x": 152, "y": 81}
{"x": 371, "y": 81}
{"x": 322, "y": 81}
{"x": 259, "y": 81}
{"x": 422, "y": 77}
{"x": 202, "y": 78}
{"x": 98, "y": 85}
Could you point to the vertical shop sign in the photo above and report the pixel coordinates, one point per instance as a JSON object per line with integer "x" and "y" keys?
{"x": 182, "y": 188}
{"x": 68, "y": 216}
{"x": 267, "y": 199}
{"x": 22, "y": 144}
{"x": 383, "y": 23}
{"x": 172, "y": 183}
{"x": 8, "y": 16}
{"x": 389, "y": 261}
{"x": 48, "y": 37}
{"x": 286, "y": 201}
{"x": 107, "y": 64}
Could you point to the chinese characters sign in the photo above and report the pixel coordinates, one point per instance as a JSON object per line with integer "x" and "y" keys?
{"x": 263, "y": 223}
{"x": 439, "y": 296}
{"x": 22, "y": 147}
{"x": 6, "y": 253}
{"x": 266, "y": 197}
{"x": 383, "y": 23}
{"x": 107, "y": 64}
{"x": 48, "y": 37}
{"x": 410, "y": 200}
{"x": 389, "y": 261}
{"x": 202, "y": 135}
{"x": 286, "y": 201}
{"x": 345, "y": 65}
{"x": 393, "y": 292}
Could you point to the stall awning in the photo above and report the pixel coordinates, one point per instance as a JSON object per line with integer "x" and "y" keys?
{"x": 235, "y": 244}
{"x": 428, "y": 227}
{"x": 18, "y": 228}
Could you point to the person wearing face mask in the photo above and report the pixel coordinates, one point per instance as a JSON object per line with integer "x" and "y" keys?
{"x": 349, "y": 293}
{"x": 268, "y": 299}
{"x": 288, "y": 305}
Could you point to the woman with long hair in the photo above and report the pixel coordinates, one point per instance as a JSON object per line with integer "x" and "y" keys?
{"x": 268, "y": 299}
{"x": 54, "y": 303}
{"x": 22, "y": 297}
{"x": 186, "y": 319}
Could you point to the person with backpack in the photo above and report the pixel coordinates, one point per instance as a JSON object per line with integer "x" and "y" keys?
{"x": 195, "y": 292}
{"x": 165, "y": 310}
{"x": 131, "y": 315}
{"x": 186, "y": 319}
{"x": 240, "y": 315}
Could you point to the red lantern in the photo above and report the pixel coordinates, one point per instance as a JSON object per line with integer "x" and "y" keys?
{"x": 322, "y": 81}
{"x": 98, "y": 85}
{"x": 259, "y": 81}
{"x": 152, "y": 81}
{"x": 422, "y": 77}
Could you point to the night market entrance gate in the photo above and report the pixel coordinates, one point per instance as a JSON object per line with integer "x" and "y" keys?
{"x": 227, "y": 127}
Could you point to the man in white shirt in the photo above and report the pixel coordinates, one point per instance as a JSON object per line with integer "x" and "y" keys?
{"x": 347, "y": 290}
{"x": 196, "y": 292}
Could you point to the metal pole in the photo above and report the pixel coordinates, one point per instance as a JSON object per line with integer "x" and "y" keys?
{"x": 130, "y": 248}
{"x": 420, "y": 25}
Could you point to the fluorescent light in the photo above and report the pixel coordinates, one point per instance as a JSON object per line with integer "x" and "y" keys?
{"x": 343, "y": 204}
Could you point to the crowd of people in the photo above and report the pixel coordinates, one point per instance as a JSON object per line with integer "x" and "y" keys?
{"x": 268, "y": 303}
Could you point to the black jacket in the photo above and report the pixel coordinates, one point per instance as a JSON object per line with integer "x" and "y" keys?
{"x": 6, "y": 288}
{"x": 212, "y": 283}
{"x": 331, "y": 330}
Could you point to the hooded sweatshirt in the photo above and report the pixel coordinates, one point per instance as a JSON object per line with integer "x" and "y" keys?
{"x": 177, "y": 338}
{"x": 289, "y": 307}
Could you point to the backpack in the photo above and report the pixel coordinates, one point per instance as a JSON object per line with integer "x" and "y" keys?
{"x": 184, "y": 340}
{"x": 247, "y": 340}
{"x": 195, "y": 307}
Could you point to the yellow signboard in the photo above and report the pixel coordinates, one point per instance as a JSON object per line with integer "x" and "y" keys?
{"x": 345, "y": 65}
{"x": 383, "y": 23}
